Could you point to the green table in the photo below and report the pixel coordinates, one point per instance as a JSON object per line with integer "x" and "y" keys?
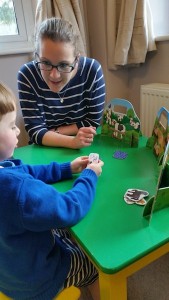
{"x": 114, "y": 235}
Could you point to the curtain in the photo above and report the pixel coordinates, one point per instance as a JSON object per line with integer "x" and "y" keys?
{"x": 66, "y": 9}
{"x": 129, "y": 32}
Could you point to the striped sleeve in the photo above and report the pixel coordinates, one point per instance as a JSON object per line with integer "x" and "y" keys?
{"x": 42, "y": 110}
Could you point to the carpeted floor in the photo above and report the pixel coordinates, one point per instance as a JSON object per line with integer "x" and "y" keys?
{"x": 150, "y": 283}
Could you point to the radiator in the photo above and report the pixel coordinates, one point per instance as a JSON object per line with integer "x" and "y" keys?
{"x": 152, "y": 97}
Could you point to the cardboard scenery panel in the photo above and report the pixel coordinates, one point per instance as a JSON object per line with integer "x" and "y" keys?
{"x": 122, "y": 126}
{"x": 160, "y": 133}
{"x": 161, "y": 199}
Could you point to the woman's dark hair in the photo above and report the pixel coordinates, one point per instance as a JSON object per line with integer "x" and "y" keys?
{"x": 57, "y": 30}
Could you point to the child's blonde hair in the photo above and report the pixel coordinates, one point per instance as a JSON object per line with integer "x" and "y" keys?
{"x": 7, "y": 100}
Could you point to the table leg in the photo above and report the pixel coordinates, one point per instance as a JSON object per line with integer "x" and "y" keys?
{"x": 112, "y": 287}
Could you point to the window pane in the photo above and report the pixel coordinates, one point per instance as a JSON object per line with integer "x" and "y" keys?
{"x": 8, "y": 22}
{"x": 159, "y": 11}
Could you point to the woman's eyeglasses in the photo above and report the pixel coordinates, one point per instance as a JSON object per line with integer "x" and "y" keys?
{"x": 61, "y": 68}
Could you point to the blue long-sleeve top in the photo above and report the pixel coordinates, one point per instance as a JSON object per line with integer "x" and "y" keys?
{"x": 33, "y": 263}
{"x": 42, "y": 110}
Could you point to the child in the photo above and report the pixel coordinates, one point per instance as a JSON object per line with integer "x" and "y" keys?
{"x": 37, "y": 256}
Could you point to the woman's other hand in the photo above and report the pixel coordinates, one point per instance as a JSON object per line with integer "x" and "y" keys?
{"x": 84, "y": 137}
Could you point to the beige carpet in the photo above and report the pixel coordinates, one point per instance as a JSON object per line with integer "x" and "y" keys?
{"x": 150, "y": 283}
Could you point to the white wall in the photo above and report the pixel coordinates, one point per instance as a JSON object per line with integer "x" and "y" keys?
{"x": 9, "y": 66}
{"x": 124, "y": 83}
{"x": 155, "y": 69}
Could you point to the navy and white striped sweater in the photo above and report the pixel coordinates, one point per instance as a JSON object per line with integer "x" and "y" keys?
{"x": 84, "y": 98}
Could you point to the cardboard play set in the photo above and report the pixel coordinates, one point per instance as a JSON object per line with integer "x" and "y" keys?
{"x": 161, "y": 198}
{"x": 159, "y": 143}
{"x": 122, "y": 126}
{"x": 160, "y": 134}
{"x": 121, "y": 123}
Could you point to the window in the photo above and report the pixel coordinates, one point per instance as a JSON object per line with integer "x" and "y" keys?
{"x": 160, "y": 11}
{"x": 16, "y": 26}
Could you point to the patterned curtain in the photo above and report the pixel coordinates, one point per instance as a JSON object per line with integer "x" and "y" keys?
{"x": 129, "y": 32}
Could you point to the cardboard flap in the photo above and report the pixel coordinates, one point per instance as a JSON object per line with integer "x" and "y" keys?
{"x": 120, "y": 122}
{"x": 160, "y": 133}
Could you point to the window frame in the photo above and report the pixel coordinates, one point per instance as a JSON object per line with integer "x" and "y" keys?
{"x": 24, "y": 41}
{"x": 163, "y": 33}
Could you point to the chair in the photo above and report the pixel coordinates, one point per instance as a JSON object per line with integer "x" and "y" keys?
{"x": 71, "y": 293}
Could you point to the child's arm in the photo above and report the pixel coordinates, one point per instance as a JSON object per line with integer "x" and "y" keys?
{"x": 42, "y": 207}
{"x": 55, "y": 172}
{"x": 50, "y": 173}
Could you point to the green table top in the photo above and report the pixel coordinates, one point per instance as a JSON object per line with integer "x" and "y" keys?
{"x": 114, "y": 234}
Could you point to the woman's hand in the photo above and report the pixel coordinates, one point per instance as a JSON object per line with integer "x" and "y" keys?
{"x": 84, "y": 137}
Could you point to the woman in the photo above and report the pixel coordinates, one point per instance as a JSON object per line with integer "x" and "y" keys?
{"x": 61, "y": 93}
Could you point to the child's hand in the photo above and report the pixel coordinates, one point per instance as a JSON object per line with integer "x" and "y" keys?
{"x": 79, "y": 164}
{"x": 96, "y": 167}
{"x": 82, "y": 162}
